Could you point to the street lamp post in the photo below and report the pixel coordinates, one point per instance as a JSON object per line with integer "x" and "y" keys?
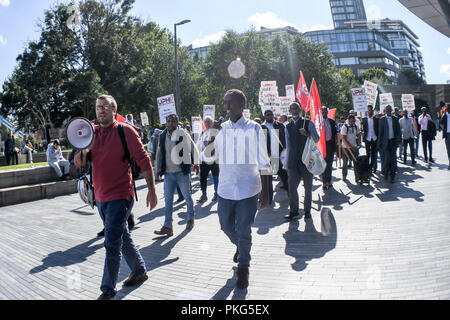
{"x": 177, "y": 88}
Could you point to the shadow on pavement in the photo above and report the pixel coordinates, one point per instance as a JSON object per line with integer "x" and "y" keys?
{"x": 310, "y": 244}
{"x": 91, "y": 212}
{"x": 230, "y": 285}
{"x": 69, "y": 257}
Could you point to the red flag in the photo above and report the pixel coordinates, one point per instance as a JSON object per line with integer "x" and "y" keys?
{"x": 315, "y": 108}
{"x": 302, "y": 92}
{"x": 203, "y": 124}
{"x": 332, "y": 114}
{"x": 120, "y": 119}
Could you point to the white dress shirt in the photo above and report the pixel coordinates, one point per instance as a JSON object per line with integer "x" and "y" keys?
{"x": 371, "y": 136}
{"x": 241, "y": 152}
{"x": 390, "y": 128}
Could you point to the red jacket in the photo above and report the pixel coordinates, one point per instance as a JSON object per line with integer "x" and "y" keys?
{"x": 111, "y": 176}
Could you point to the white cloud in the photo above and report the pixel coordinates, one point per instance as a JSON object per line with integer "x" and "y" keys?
{"x": 4, "y": 3}
{"x": 207, "y": 40}
{"x": 448, "y": 50}
{"x": 270, "y": 20}
{"x": 3, "y": 40}
{"x": 445, "y": 69}
{"x": 373, "y": 12}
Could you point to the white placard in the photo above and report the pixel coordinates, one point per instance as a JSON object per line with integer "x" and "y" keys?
{"x": 359, "y": 100}
{"x": 196, "y": 125}
{"x": 246, "y": 114}
{"x": 408, "y": 102}
{"x": 268, "y": 84}
{"x": 209, "y": 110}
{"x": 144, "y": 119}
{"x": 385, "y": 100}
{"x": 290, "y": 92}
{"x": 371, "y": 92}
{"x": 166, "y": 107}
{"x": 285, "y": 103}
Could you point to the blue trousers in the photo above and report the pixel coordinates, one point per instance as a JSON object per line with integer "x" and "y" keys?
{"x": 236, "y": 218}
{"x": 114, "y": 215}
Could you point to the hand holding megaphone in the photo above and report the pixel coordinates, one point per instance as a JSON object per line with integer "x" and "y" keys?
{"x": 80, "y": 133}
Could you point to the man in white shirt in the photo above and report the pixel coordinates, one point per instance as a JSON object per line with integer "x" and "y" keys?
{"x": 408, "y": 135}
{"x": 57, "y": 161}
{"x": 427, "y": 142}
{"x": 242, "y": 154}
{"x": 351, "y": 141}
{"x": 370, "y": 136}
{"x": 206, "y": 138}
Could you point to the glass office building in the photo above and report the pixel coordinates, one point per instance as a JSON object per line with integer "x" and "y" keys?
{"x": 360, "y": 44}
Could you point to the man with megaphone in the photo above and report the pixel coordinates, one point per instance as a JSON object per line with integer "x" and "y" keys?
{"x": 114, "y": 192}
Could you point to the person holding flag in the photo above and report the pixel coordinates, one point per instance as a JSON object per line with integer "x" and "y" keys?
{"x": 297, "y": 132}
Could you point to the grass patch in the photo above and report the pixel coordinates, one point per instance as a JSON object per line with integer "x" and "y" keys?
{"x": 24, "y": 166}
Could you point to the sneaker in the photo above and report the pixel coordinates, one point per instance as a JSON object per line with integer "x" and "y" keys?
{"x": 107, "y": 296}
{"x": 164, "y": 232}
{"x": 215, "y": 197}
{"x": 202, "y": 199}
{"x": 236, "y": 256}
{"x": 101, "y": 233}
{"x": 190, "y": 225}
{"x": 242, "y": 280}
{"x": 134, "y": 280}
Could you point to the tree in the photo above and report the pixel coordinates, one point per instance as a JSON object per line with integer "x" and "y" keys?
{"x": 376, "y": 75}
{"x": 410, "y": 77}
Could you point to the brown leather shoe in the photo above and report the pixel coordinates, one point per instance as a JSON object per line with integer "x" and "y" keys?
{"x": 134, "y": 280}
{"x": 164, "y": 231}
{"x": 190, "y": 225}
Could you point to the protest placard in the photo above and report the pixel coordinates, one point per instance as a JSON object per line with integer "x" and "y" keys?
{"x": 408, "y": 102}
{"x": 359, "y": 99}
{"x": 209, "y": 110}
{"x": 385, "y": 100}
{"x": 144, "y": 119}
{"x": 166, "y": 107}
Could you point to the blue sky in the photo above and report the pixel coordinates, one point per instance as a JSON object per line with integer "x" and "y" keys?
{"x": 210, "y": 18}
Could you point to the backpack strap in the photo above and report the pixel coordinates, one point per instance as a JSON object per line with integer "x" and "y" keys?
{"x": 126, "y": 156}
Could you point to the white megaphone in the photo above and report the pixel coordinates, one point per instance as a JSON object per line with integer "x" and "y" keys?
{"x": 80, "y": 133}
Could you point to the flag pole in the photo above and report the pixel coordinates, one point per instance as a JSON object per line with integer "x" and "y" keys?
{"x": 307, "y": 104}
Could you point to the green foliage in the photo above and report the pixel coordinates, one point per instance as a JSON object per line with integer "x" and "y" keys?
{"x": 409, "y": 77}
{"x": 376, "y": 75}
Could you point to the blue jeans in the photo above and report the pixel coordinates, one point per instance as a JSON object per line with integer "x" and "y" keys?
{"x": 171, "y": 181}
{"x": 236, "y": 218}
{"x": 117, "y": 241}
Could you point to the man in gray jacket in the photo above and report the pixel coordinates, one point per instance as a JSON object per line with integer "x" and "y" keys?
{"x": 408, "y": 135}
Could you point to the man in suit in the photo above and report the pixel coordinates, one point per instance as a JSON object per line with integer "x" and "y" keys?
{"x": 331, "y": 138}
{"x": 445, "y": 123}
{"x": 426, "y": 126}
{"x": 389, "y": 138}
{"x": 408, "y": 134}
{"x": 277, "y": 140}
{"x": 297, "y": 133}
{"x": 370, "y": 137}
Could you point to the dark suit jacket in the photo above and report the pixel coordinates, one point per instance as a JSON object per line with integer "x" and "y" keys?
{"x": 444, "y": 126}
{"x": 333, "y": 132}
{"x": 365, "y": 127}
{"x": 383, "y": 131}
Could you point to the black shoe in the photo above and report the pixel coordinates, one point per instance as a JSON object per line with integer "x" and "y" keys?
{"x": 236, "y": 255}
{"x": 131, "y": 222}
{"x": 101, "y": 233}
{"x": 242, "y": 280}
{"x": 292, "y": 215}
{"x": 307, "y": 216}
{"x": 413, "y": 163}
{"x": 374, "y": 171}
{"x": 202, "y": 199}
{"x": 215, "y": 197}
{"x": 107, "y": 296}
{"x": 431, "y": 160}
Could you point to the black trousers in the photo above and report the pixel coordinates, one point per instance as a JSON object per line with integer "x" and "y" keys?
{"x": 14, "y": 156}
{"x": 295, "y": 176}
{"x": 409, "y": 142}
{"x": 327, "y": 175}
{"x": 427, "y": 145}
{"x": 204, "y": 172}
{"x": 371, "y": 151}
{"x": 391, "y": 158}
{"x": 283, "y": 175}
{"x": 447, "y": 144}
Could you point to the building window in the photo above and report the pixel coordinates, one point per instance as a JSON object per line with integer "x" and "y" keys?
{"x": 348, "y": 60}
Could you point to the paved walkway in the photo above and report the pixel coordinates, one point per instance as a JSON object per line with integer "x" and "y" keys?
{"x": 374, "y": 242}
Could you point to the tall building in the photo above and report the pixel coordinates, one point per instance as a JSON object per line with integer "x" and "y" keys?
{"x": 346, "y": 10}
{"x": 360, "y": 44}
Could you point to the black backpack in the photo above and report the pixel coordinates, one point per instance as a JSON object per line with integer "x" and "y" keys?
{"x": 135, "y": 169}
